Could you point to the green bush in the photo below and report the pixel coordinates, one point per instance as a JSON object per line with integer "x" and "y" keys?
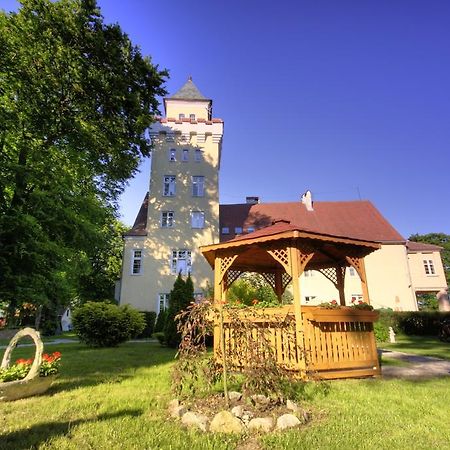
{"x": 419, "y": 323}
{"x": 160, "y": 321}
{"x": 150, "y": 318}
{"x": 381, "y": 331}
{"x": 161, "y": 337}
{"x": 101, "y": 324}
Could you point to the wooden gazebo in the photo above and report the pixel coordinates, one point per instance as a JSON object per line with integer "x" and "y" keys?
{"x": 334, "y": 343}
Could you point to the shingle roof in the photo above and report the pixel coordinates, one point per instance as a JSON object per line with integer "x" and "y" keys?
{"x": 188, "y": 91}
{"x": 355, "y": 219}
{"x": 422, "y": 247}
{"x": 140, "y": 224}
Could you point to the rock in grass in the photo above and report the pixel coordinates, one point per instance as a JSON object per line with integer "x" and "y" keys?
{"x": 287, "y": 421}
{"x": 176, "y": 409}
{"x": 260, "y": 400}
{"x": 234, "y": 396}
{"x": 264, "y": 424}
{"x": 193, "y": 420}
{"x": 225, "y": 422}
{"x": 238, "y": 411}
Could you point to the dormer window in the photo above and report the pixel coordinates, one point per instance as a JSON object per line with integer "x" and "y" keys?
{"x": 192, "y": 116}
{"x": 181, "y": 116}
{"x": 172, "y": 154}
{"x": 225, "y": 230}
{"x": 238, "y": 230}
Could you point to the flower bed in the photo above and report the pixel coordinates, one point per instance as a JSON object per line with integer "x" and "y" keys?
{"x": 27, "y": 377}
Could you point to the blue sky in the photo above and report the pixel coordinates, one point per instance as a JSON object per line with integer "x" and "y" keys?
{"x": 349, "y": 99}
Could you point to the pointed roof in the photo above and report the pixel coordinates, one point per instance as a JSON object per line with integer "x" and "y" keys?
{"x": 189, "y": 91}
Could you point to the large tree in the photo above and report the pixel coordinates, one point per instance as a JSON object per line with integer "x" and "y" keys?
{"x": 76, "y": 99}
{"x": 441, "y": 239}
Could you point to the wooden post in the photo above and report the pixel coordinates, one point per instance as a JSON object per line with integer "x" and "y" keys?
{"x": 219, "y": 337}
{"x": 363, "y": 276}
{"x": 340, "y": 285}
{"x": 294, "y": 262}
{"x": 279, "y": 285}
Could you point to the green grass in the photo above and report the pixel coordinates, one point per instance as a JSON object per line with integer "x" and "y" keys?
{"x": 420, "y": 345}
{"x": 116, "y": 399}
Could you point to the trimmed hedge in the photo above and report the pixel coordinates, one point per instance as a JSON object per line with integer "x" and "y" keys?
{"x": 101, "y": 324}
{"x": 419, "y": 323}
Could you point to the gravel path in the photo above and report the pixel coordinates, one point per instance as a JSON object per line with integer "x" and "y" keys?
{"x": 419, "y": 367}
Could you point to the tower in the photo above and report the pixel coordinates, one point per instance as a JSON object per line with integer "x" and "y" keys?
{"x": 181, "y": 211}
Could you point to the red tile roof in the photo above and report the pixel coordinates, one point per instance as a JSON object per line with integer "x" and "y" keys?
{"x": 354, "y": 219}
{"x": 422, "y": 247}
{"x": 140, "y": 224}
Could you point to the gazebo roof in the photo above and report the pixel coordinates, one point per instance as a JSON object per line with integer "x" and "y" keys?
{"x": 252, "y": 247}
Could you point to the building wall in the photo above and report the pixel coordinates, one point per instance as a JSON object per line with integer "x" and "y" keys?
{"x": 423, "y": 282}
{"x": 142, "y": 291}
{"x": 388, "y": 279}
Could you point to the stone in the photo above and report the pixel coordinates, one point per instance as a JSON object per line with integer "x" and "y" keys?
{"x": 287, "y": 421}
{"x": 264, "y": 424}
{"x": 234, "y": 396}
{"x": 238, "y": 411}
{"x": 260, "y": 400}
{"x": 292, "y": 406}
{"x": 225, "y": 422}
{"x": 194, "y": 420}
{"x": 176, "y": 409}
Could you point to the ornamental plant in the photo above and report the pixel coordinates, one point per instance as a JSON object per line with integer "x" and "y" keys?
{"x": 18, "y": 371}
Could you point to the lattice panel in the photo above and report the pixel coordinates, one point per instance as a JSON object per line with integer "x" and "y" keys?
{"x": 225, "y": 264}
{"x": 356, "y": 263}
{"x": 305, "y": 258}
{"x": 285, "y": 280}
{"x": 232, "y": 276}
{"x": 281, "y": 255}
{"x": 270, "y": 278}
{"x": 330, "y": 273}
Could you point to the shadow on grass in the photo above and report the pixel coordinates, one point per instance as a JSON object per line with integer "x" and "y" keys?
{"x": 83, "y": 366}
{"x": 35, "y": 435}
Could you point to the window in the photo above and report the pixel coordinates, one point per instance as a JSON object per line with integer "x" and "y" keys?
{"x": 250, "y": 229}
{"x": 163, "y": 302}
{"x": 173, "y": 154}
{"x": 237, "y": 230}
{"x": 198, "y": 186}
{"x": 181, "y": 116}
{"x": 429, "y": 267}
{"x": 197, "y": 155}
{"x": 167, "y": 219}
{"x": 225, "y": 230}
{"x": 169, "y": 186}
{"x": 356, "y": 298}
{"x": 351, "y": 271}
{"x": 181, "y": 262}
{"x": 192, "y": 116}
{"x": 309, "y": 273}
{"x": 136, "y": 262}
{"x": 310, "y": 298}
{"x": 185, "y": 155}
{"x": 197, "y": 219}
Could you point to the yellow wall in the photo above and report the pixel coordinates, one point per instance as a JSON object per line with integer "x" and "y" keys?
{"x": 176, "y": 107}
{"x": 142, "y": 291}
{"x": 388, "y": 281}
{"x": 421, "y": 281}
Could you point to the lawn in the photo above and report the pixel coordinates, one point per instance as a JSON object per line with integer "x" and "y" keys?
{"x": 116, "y": 399}
{"x": 420, "y": 345}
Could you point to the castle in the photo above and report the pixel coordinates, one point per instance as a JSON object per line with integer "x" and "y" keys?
{"x": 181, "y": 213}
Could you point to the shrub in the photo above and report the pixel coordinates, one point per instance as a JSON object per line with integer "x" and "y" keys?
{"x": 101, "y": 324}
{"x": 160, "y": 321}
{"x": 150, "y": 318}
{"x": 161, "y": 337}
{"x": 381, "y": 331}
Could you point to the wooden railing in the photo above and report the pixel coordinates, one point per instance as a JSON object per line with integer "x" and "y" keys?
{"x": 332, "y": 343}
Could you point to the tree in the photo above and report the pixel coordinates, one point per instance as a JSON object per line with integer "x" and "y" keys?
{"x": 76, "y": 99}
{"x": 180, "y": 298}
{"x": 441, "y": 239}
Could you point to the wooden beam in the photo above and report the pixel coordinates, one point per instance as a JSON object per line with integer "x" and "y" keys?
{"x": 340, "y": 276}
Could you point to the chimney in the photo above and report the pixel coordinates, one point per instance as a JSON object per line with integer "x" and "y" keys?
{"x": 307, "y": 200}
{"x": 252, "y": 200}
